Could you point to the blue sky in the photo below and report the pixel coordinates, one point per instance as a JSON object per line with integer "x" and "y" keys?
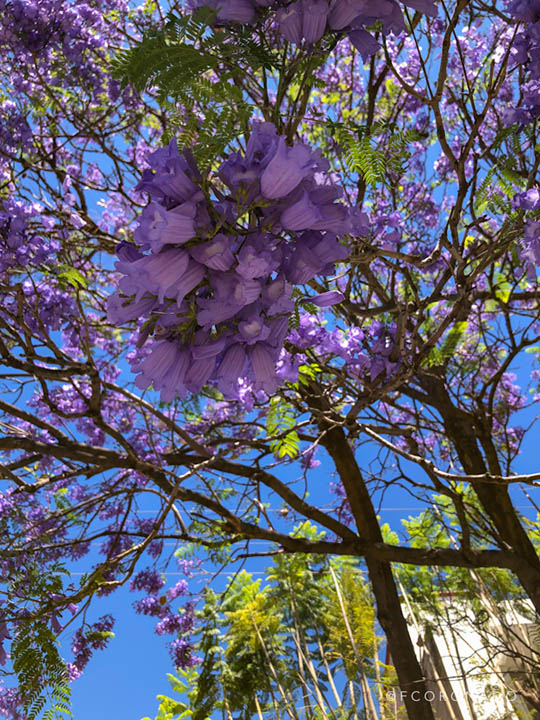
{"x": 122, "y": 681}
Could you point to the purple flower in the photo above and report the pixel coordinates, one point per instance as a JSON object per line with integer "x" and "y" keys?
{"x": 179, "y": 589}
{"x": 172, "y": 177}
{"x": 302, "y": 215}
{"x": 529, "y": 200}
{"x": 160, "y": 273}
{"x": 253, "y": 330}
{"x": 179, "y": 226}
{"x": 343, "y": 12}
{"x": 277, "y": 294}
{"x": 530, "y": 245}
{"x": 315, "y": 13}
{"x": 306, "y": 21}
{"x": 173, "y": 382}
{"x": 427, "y": 7}
{"x": 121, "y": 310}
{"x": 364, "y": 42}
{"x": 4, "y": 635}
{"x": 163, "y": 359}
{"x": 289, "y": 21}
{"x": 170, "y": 624}
{"x": 308, "y": 460}
{"x": 231, "y": 367}
{"x": 149, "y": 606}
{"x": 182, "y": 654}
{"x": 233, "y": 291}
{"x": 287, "y": 168}
{"x": 327, "y": 299}
{"x": 215, "y": 254}
{"x": 254, "y": 262}
{"x": 148, "y": 580}
{"x": 264, "y": 368}
{"x": 199, "y": 373}
{"x": 240, "y": 11}
{"x": 526, "y": 10}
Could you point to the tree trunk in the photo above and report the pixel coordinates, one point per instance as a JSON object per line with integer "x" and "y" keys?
{"x": 495, "y": 499}
{"x": 389, "y": 611}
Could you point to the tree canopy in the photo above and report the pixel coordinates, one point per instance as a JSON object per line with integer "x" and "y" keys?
{"x": 240, "y": 240}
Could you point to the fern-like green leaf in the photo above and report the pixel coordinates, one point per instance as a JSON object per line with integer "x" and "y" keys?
{"x": 280, "y": 422}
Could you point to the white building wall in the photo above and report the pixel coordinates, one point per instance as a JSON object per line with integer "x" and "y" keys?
{"x": 471, "y": 670}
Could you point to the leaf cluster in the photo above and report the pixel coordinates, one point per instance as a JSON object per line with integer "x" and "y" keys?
{"x": 197, "y": 72}
{"x": 41, "y": 672}
{"x": 262, "y": 643}
{"x": 280, "y": 423}
{"x": 374, "y": 151}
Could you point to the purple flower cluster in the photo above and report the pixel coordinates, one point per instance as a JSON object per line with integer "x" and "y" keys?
{"x": 12, "y": 237}
{"x": 11, "y": 704}
{"x": 19, "y": 247}
{"x": 54, "y": 29}
{"x": 93, "y": 638}
{"x": 215, "y": 262}
{"x": 529, "y": 249}
{"x": 307, "y": 21}
{"x": 369, "y": 353}
{"x": 182, "y": 654}
{"x": 526, "y": 52}
{"x": 148, "y": 580}
{"x": 169, "y": 622}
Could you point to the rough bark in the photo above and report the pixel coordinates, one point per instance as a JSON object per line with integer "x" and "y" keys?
{"x": 495, "y": 499}
{"x": 389, "y": 610}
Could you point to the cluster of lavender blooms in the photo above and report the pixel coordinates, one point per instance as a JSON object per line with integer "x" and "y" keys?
{"x": 307, "y": 21}
{"x": 19, "y": 246}
{"x": 56, "y": 58}
{"x": 529, "y": 248}
{"x": 57, "y": 32}
{"x": 214, "y": 265}
{"x": 366, "y": 352}
{"x": 169, "y": 622}
{"x": 526, "y": 52}
{"x": 90, "y": 637}
{"x": 86, "y": 640}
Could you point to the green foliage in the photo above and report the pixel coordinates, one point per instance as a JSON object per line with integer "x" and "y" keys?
{"x": 170, "y": 709}
{"x": 499, "y": 186}
{"x": 41, "y": 672}
{"x": 360, "y": 615}
{"x": 308, "y": 372}
{"x": 440, "y": 355}
{"x": 252, "y": 644}
{"x": 195, "y": 72}
{"x": 433, "y": 528}
{"x": 206, "y": 697}
{"x": 166, "y": 56}
{"x": 280, "y": 421}
{"x": 361, "y": 156}
{"x": 73, "y": 277}
{"x": 452, "y": 339}
{"x": 372, "y": 152}
{"x": 210, "y": 115}
{"x": 42, "y": 678}
{"x": 261, "y": 643}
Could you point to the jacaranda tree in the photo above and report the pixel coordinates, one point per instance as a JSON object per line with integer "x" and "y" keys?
{"x": 240, "y": 239}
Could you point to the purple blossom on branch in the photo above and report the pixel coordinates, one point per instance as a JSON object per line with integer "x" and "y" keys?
{"x": 216, "y": 281}
{"x": 305, "y": 22}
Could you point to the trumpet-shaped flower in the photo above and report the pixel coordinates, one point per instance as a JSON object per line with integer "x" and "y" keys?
{"x": 217, "y": 302}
